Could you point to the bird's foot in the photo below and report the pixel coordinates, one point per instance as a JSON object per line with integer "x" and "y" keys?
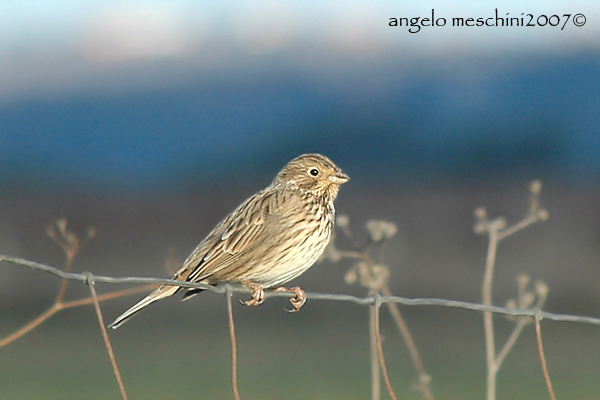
{"x": 298, "y": 301}
{"x": 258, "y": 293}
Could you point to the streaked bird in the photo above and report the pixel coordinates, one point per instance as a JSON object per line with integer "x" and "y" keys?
{"x": 270, "y": 239}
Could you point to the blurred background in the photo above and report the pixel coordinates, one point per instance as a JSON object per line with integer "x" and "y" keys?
{"x": 152, "y": 120}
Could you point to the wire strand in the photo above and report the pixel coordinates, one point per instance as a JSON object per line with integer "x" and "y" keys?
{"x": 220, "y": 289}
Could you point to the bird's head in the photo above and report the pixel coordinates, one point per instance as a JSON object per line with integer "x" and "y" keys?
{"x": 313, "y": 173}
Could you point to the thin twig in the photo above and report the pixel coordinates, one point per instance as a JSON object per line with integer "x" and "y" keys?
{"x": 355, "y": 254}
{"x": 56, "y": 307}
{"x": 386, "y": 377}
{"x": 423, "y": 376}
{"x": 109, "y": 349}
{"x": 510, "y": 342}
{"x": 380, "y": 248}
{"x": 531, "y": 219}
{"x": 375, "y": 286}
{"x": 105, "y": 296}
{"x": 234, "y": 382}
{"x": 28, "y": 327}
{"x": 497, "y": 231}
{"x": 63, "y": 284}
{"x": 375, "y": 366}
{"x": 488, "y": 319}
{"x": 538, "y": 334}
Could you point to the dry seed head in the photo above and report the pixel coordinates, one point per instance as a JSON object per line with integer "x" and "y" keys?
{"x": 542, "y": 215}
{"x": 62, "y": 225}
{"x": 375, "y": 230}
{"x": 390, "y": 230}
{"x": 342, "y": 220}
{"x": 91, "y": 232}
{"x": 381, "y": 271}
{"x": 380, "y": 230}
{"x": 71, "y": 238}
{"x": 498, "y": 224}
{"x": 535, "y": 187}
{"x": 351, "y": 276}
{"x": 523, "y": 279}
{"x": 479, "y": 228}
{"x": 365, "y": 277}
{"x": 541, "y": 288}
{"x": 527, "y": 300}
{"x": 480, "y": 213}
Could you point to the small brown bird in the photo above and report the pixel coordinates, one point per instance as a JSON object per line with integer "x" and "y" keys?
{"x": 270, "y": 239}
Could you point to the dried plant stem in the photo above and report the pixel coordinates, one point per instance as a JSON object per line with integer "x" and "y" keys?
{"x": 357, "y": 255}
{"x": 56, "y": 307}
{"x": 63, "y": 285}
{"x": 234, "y": 382}
{"x": 106, "y": 296}
{"x": 488, "y": 321}
{"x": 497, "y": 231}
{"x": 538, "y": 334}
{"x": 532, "y": 218}
{"x": 510, "y": 342}
{"x": 423, "y": 377}
{"x": 375, "y": 359}
{"x": 384, "y": 371}
{"x": 410, "y": 343}
{"x": 28, "y": 327}
{"x": 375, "y": 366}
{"x": 109, "y": 349}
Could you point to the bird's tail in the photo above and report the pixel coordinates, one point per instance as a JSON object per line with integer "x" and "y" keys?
{"x": 160, "y": 293}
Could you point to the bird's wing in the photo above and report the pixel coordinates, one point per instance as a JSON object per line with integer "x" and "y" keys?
{"x": 253, "y": 222}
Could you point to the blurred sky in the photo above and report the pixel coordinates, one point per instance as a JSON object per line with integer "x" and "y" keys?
{"x": 155, "y": 94}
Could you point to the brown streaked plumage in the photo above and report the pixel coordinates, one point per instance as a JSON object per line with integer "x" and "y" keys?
{"x": 270, "y": 239}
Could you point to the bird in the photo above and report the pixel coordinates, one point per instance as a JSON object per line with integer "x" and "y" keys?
{"x": 268, "y": 240}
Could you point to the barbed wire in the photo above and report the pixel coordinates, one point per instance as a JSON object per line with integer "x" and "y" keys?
{"x": 375, "y": 299}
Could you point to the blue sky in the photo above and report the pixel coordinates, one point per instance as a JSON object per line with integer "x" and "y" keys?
{"x": 138, "y": 91}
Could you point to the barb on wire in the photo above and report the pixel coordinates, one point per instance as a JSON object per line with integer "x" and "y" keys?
{"x": 312, "y": 296}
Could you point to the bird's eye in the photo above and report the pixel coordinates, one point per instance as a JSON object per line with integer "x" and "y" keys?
{"x": 314, "y": 172}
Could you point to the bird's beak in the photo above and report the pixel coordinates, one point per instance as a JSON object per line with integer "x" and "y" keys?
{"x": 338, "y": 178}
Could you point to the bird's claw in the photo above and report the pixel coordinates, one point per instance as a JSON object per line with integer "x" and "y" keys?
{"x": 298, "y": 301}
{"x": 258, "y": 294}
